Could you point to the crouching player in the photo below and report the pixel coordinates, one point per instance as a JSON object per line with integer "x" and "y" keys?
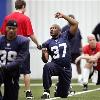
{"x": 92, "y": 56}
{"x": 13, "y": 52}
{"x": 58, "y": 48}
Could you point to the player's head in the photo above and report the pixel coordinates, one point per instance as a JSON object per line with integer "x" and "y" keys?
{"x": 20, "y": 5}
{"x": 11, "y": 28}
{"x": 91, "y": 40}
{"x": 55, "y": 30}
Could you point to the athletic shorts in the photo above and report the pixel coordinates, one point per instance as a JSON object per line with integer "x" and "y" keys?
{"x": 25, "y": 67}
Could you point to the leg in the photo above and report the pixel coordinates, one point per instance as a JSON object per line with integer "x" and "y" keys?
{"x": 64, "y": 83}
{"x": 11, "y": 85}
{"x": 27, "y": 81}
{"x": 98, "y": 81}
{"x": 25, "y": 70}
{"x": 78, "y": 67}
{"x": 49, "y": 70}
{"x": 86, "y": 72}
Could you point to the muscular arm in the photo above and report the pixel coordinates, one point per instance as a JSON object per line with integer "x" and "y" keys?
{"x": 73, "y": 22}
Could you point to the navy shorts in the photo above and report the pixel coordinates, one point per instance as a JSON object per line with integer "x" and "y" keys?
{"x": 25, "y": 67}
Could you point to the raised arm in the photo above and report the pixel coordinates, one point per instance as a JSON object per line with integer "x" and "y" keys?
{"x": 73, "y": 22}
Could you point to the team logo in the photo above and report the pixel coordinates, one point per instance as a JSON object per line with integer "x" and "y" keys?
{"x": 8, "y": 44}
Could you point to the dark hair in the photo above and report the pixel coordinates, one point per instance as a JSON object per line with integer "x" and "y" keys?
{"x": 19, "y": 4}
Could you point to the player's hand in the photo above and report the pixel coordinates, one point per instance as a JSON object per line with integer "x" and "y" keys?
{"x": 58, "y": 15}
{"x": 39, "y": 47}
{"x": 93, "y": 59}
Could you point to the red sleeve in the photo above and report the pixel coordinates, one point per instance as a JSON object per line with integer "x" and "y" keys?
{"x": 3, "y": 27}
{"x": 85, "y": 50}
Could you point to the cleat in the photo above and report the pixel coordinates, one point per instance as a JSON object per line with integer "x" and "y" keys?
{"x": 45, "y": 95}
{"x": 71, "y": 91}
{"x": 85, "y": 87}
{"x": 29, "y": 95}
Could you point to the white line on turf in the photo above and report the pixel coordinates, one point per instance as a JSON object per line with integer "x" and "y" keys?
{"x": 40, "y": 84}
{"x": 77, "y": 93}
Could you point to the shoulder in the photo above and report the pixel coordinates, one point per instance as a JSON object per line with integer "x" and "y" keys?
{"x": 46, "y": 42}
{"x": 98, "y": 44}
{"x": 2, "y": 37}
{"x": 85, "y": 47}
{"x": 21, "y": 38}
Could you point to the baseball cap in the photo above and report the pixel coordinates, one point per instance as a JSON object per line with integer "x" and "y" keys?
{"x": 12, "y": 23}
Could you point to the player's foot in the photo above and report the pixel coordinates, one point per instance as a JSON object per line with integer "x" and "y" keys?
{"x": 45, "y": 95}
{"x": 29, "y": 95}
{"x": 71, "y": 91}
{"x": 85, "y": 87}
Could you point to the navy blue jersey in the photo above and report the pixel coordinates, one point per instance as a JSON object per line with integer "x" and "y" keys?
{"x": 74, "y": 42}
{"x": 13, "y": 53}
{"x": 59, "y": 49}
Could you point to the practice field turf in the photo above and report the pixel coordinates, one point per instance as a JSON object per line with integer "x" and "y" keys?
{"x": 36, "y": 86}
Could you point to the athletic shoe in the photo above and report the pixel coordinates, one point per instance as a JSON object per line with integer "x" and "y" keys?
{"x": 71, "y": 91}
{"x": 45, "y": 95}
{"x": 85, "y": 87}
{"x": 29, "y": 95}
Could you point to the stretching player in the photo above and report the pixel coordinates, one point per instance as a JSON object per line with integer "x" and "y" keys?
{"x": 58, "y": 48}
{"x": 14, "y": 51}
{"x": 92, "y": 56}
{"x": 24, "y": 29}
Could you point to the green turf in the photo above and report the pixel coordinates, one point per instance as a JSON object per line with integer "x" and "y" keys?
{"x": 38, "y": 90}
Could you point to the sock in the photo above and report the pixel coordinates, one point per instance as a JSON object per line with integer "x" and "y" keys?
{"x": 80, "y": 78}
{"x": 86, "y": 72}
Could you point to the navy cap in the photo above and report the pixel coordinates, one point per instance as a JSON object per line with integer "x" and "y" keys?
{"x": 12, "y": 23}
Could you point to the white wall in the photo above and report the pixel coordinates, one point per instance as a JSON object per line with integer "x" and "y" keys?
{"x": 42, "y": 13}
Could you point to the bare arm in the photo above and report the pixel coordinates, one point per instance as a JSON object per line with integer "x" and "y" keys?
{"x": 34, "y": 39}
{"x": 86, "y": 57}
{"x": 73, "y": 22}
